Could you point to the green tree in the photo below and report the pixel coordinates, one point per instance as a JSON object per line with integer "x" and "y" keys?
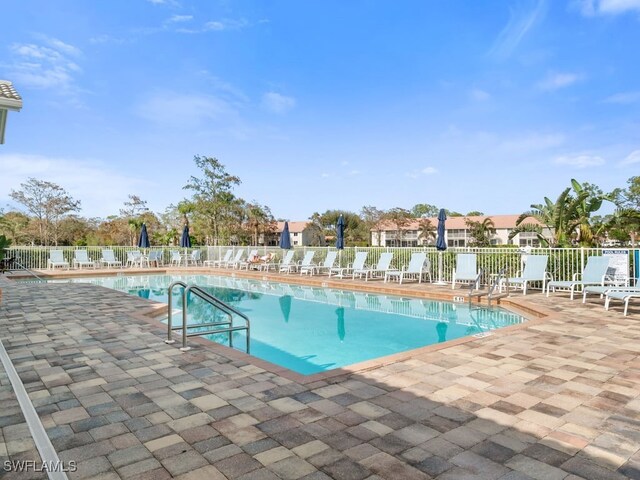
{"x": 426, "y": 231}
{"x": 561, "y": 217}
{"x": 259, "y": 221}
{"x": 15, "y": 226}
{"x": 481, "y": 232}
{"x": 424, "y": 210}
{"x": 475, "y": 213}
{"x": 451, "y": 213}
{"x": 354, "y": 231}
{"x": 213, "y": 199}
{"x": 625, "y": 221}
{"x": 586, "y": 206}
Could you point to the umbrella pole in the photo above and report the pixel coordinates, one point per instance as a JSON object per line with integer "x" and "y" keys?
{"x": 440, "y": 282}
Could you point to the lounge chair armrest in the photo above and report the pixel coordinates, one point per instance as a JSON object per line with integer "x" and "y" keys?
{"x": 576, "y": 276}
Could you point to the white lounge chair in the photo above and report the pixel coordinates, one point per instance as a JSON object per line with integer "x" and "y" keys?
{"x": 383, "y": 266}
{"x": 234, "y": 261}
{"x": 56, "y": 259}
{"x": 594, "y": 273}
{"x": 220, "y": 261}
{"x": 307, "y": 262}
{"x": 193, "y": 258}
{"x": 176, "y": 258}
{"x": 327, "y": 264}
{"x": 288, "y": 265}
{"x": 135, "y": 259}
{"x": 419, "y": 266}
{"x": 109, "y": 258}
{"x": 602, "y": 290}
{"x": 535, "y": 270}
{"x": 358, "y": 264}
{"x": 624, "y": 295}
{"x": 268, "y": 261}
{"x": 466, "y": 269}
{"x": 253, "y": 254}
{"x": 155, "y": 257}
{"x": 81, "y": 259}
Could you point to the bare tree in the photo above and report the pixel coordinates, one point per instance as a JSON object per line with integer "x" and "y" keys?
{"x": 48, "y": 203}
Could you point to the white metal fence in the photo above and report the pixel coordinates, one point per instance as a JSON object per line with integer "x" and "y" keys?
{"x": 563, "y": 262}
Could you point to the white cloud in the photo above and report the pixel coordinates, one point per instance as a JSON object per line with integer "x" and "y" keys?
{"x": 479, "y": 95}
{"x": 45, "y": 66}
{"x": 429, "y": 170}
{"x": 624, "y": 98}
{"x": 521, "y": 21}
{"x": 607, "y": 7}
{"x": 325, "y": 175}
{"x": 583, "y": 160}
{"x": 632, "y": 158}
{"x": 83, "y": 179}
{"x": 277, "y": 103}
{"x": 555, "y": 81}
{"x": 180, "y": 18}
{"x": 226, "y": 24}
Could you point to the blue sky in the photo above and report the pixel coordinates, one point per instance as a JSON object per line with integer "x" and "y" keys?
{"x": 321, "y": 105}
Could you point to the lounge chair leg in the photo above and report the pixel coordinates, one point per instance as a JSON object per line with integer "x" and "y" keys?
{"x": 606, "y": 303}
{"x": 626, "y": 305}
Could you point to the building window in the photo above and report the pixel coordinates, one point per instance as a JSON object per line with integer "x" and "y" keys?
{"x": 455, "y": 242}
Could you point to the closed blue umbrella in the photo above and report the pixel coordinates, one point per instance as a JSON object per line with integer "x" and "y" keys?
{"x": 143, "y": 241}
{"x": 340, "y": 233}
{"x": 185, "y": 240}
{"x": 285, "y": 237}
{"x": 441, "y": 243}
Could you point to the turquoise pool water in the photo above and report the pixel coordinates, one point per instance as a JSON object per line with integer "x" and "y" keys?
{"x": 309, "y": 329}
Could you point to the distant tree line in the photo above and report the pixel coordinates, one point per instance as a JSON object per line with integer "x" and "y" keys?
{"x": 217, "y": 216}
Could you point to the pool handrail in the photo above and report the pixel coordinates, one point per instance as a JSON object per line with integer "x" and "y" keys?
{"x": 215, "y": 302}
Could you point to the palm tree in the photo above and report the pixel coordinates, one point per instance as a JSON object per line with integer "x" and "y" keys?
{"x": 481, "y": 232}
{"x": 561, "y": 217}
{"x": 426, "y": 230}
{"x": 590, "y": 204}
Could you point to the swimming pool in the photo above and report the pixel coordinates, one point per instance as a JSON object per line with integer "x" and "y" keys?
{"x": 312, "y": 329}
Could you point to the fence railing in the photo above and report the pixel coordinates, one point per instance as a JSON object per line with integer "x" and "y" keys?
{"x": 563, "y": 262}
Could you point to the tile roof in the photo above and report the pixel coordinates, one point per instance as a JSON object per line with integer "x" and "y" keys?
{"x": 9, "y": 97}
{"x": 499, "y": 222}
{"x": 294, "y": 227}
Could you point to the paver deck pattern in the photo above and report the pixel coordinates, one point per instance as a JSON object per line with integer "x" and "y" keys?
{"x": 558, "y": 399}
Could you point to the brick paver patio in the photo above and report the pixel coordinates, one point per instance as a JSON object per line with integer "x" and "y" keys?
{"x": 557, "y": 399}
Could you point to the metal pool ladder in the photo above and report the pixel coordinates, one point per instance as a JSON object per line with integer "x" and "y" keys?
{"x": 494, "y": 292}
{"x": 215, "y": 302}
